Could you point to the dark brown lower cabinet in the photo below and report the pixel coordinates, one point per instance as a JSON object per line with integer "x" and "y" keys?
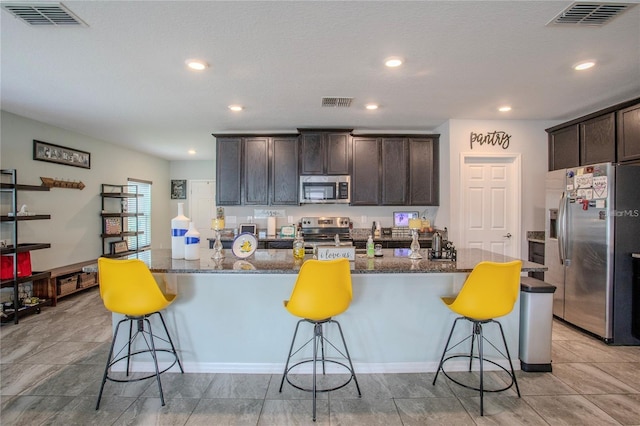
{"x": 536, "y": 254}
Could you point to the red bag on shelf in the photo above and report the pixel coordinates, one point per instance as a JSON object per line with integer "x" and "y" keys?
{"x": 24, "y": 266}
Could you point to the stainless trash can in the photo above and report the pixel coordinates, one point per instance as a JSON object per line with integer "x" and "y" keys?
{"x": 536, "y": 318}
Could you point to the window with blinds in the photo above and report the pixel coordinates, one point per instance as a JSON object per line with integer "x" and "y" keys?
{"x": 143, "y": 240}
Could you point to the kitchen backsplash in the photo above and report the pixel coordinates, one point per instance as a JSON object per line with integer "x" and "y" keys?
{"x": 361, "y": 217}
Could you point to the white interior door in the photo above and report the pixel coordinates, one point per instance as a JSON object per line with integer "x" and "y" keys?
{"x": 490, "y": 212}
{"x": 202, "y": 207}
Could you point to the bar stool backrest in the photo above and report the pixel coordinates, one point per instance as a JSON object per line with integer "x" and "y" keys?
{"x": 322, "y": 289}
{"x": 490, "y": 291}
{"x": 128, "y": 287}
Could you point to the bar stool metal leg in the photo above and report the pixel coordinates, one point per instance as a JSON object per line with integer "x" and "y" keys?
{"x": 353, "y": 372}
{"x": 513, "y": 372}
{"x": 149, "y": 339}
{"x": 314, "y": 389}
{"x": 446, "y": 348}
{"x": 477, "y": 334}
{"x": 286, "y": 365}
{"x": 173, "y": 348}
{"x": 473, "y": 337}
{"x": 155, "y": 361}
{"x": 106, "y": 368}
{"x": 318, "y": 346}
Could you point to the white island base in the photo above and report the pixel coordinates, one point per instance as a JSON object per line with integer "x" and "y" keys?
{"x": 236, "y": 323}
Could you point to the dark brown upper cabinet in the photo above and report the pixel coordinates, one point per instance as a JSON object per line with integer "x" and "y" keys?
{"x": 255, "y": 161}
{"x": 365, "y": 179}
{"x": 606, "y": 136}
{"x": 228, "y": 171}
{"x": 257, "y": 170}
{"x": 598, "y": 140}
{"x": 284, "y": 171}
{"x": 629, "y": 133}
{"x": 325, "y": 152}
{"x": 564, "y": 148}
{"x": 395, "y": 170}
{"x": 424, "y": 172}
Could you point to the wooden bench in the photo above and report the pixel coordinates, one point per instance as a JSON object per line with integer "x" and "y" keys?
{"x": 65, "y": 280}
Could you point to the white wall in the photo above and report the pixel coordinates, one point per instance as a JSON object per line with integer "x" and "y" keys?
{"x": 529, "y": 139}
{"x": 190, "y": 170}
{"x": 75, "y": 225}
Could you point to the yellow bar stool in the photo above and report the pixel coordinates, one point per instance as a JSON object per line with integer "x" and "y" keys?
{"x": 322, "y": 291}
{"x": 490, "y": 291}
{"x": 128, "y": 288}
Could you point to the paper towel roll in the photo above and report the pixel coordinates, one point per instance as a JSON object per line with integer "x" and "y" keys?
{"x": 271, "y": 226}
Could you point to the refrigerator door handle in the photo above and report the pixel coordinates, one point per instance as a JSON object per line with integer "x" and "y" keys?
{"x": 561, "y": 227}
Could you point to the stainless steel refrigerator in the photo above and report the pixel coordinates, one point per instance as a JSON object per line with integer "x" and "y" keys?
{"x": 592, "y": 227}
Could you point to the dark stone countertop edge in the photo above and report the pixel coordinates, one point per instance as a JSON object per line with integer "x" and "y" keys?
{"x": 281, "y": 262}
{"x": 355, "y": 238}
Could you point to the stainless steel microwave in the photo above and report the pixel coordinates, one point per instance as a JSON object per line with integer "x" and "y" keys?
{"x": 325, "y": 189}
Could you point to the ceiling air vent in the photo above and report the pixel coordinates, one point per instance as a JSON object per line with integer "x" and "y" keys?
{"x": 595, "y": 14}
{"x": 333, "y": 101}
{"x": 43, "y": 14}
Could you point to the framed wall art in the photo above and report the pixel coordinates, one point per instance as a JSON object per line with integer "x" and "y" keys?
{"x": 44, "y": 151}
{"x": 112, "y": 225}
{"x": 179, "y": 189}
{"x": 118, "y": 247}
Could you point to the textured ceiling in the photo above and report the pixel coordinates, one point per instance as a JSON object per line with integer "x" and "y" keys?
{"x": 122, "y": 78}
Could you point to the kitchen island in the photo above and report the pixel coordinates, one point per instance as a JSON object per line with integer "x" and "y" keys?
{"x": 229, "y": 315}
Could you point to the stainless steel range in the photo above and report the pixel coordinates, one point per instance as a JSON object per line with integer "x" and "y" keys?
{"x": 325, "y": 229}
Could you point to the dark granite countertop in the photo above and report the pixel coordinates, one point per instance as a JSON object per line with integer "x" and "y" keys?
{"x": 354, "y": 238}
{"x": 536, "y": 236}
{"x": 282, "y": 262}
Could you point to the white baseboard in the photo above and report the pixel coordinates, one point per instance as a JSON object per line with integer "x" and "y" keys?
{"x": 277, "y": 368}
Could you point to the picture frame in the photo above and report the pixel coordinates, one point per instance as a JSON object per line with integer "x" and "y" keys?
{"x": 112, "y": 225}
{"x": 401, "y": 219}
{"x": 178, "y": 189}
{"x": 118, "y": 247}
{"x": 51, "y": 153}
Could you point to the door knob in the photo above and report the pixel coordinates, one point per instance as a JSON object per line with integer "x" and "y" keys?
{"x": 508, "y": 235}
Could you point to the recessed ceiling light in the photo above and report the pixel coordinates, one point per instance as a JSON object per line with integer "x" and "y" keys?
{"x": 371, "y": 106}
{"x": 196, "y": 64}
{"x": 584, "y": 65}
{"x": 235, "y": 108}
{"x": 393, "y": 62}
{"x": 505, "y": 108}
{"x": 192, "y": 151}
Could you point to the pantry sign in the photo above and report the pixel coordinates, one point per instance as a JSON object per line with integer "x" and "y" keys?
{"x": 496, "y": 137}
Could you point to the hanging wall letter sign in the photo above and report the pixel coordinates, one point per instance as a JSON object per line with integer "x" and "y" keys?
{"x": 491, "y": 138}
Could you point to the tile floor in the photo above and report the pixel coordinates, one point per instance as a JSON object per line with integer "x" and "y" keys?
{"x": 51, "y": 365}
